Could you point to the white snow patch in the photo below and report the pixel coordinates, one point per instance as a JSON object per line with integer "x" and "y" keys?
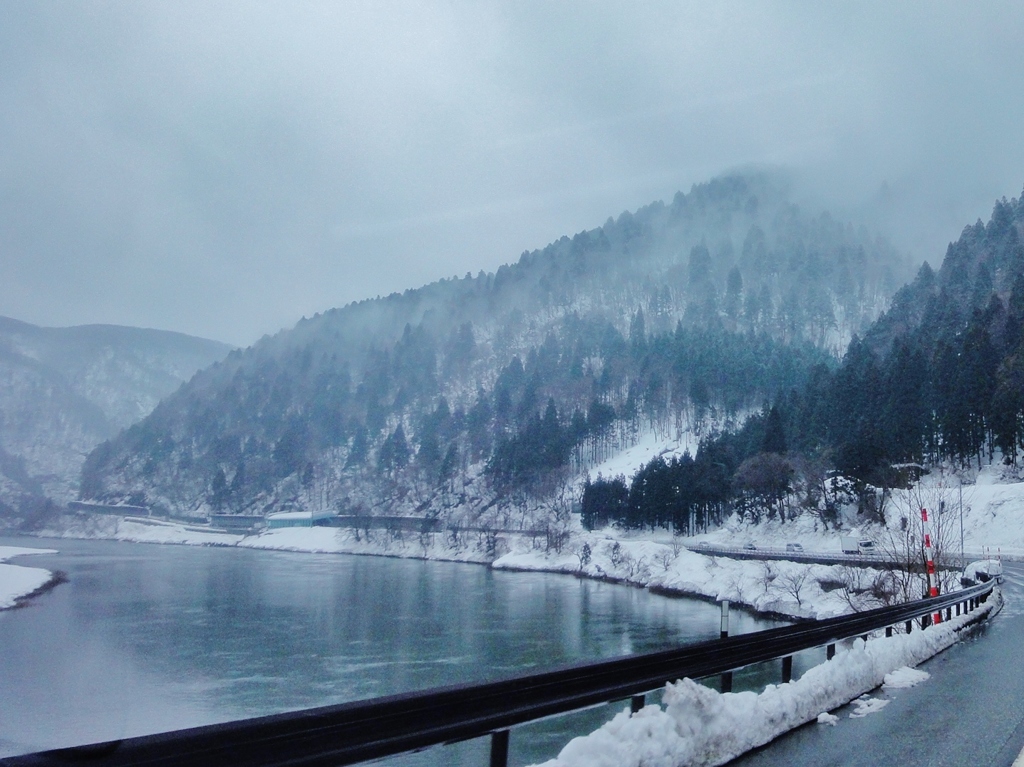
{"x": 17, "y": 581}
{"x": 826, "y": 718}
{"x": 648, "y": 447}
{"x": 905, "y": 677}
{"x": 865, "y": 705}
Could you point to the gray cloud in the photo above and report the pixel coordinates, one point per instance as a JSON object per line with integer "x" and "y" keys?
{"x": 223, "y": 169}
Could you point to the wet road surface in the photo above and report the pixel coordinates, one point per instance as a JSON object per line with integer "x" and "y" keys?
{"x": 970, "y": 712}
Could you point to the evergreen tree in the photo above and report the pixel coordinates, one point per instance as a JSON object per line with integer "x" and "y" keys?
{"x": 394, "y": 453}
{"x": 449, "y": 465}
{"x": 218, "y": 489}
{"x": 360, "y": 448}
{"x": 733, "y": 293}
{"x": 774, "y": 433}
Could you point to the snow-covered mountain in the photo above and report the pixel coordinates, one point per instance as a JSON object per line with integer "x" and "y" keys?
{"x": 472, "y": 397}
{"x": 65, "y": 390}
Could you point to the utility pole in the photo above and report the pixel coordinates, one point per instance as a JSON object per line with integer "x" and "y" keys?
{"x": 963, "y": 559}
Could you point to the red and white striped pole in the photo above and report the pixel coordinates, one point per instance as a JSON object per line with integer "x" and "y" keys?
{"x": 933, "y": 588}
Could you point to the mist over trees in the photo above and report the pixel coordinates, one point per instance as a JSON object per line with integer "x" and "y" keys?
{"x": 938, "y": 378}
{"x": 474, "y": 397}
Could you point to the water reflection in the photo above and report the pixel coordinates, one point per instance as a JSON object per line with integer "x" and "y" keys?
{"x": 150, "y": 638}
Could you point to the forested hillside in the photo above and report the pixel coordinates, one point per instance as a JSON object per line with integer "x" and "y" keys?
{"x": 476, "y": 397}
{"x": 938, "y": 378}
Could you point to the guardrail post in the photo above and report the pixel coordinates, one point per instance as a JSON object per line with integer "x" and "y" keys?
{"x": 636, "y": 703}
{"x": 888, "y": 631}
{"x": 910, "y": 626}
{"x": 787, "y": 669}
{"x": 830, "y": 652}
{"x": 726, "y": 676}
{"x": 499, "y": 748}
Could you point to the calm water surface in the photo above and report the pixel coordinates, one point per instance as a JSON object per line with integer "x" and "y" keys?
{"x": 146, "y": 638}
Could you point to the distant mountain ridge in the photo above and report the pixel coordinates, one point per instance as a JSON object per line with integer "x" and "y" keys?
{"x": 474, "y": 395}
{"x": 64, "y": 390}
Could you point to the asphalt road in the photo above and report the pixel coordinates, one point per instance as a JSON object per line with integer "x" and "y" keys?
{"x": 970, "y": 712}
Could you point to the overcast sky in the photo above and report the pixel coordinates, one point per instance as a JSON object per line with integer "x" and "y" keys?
{"x": 223, "y": 169}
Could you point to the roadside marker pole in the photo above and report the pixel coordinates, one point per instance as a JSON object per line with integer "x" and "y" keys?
{"x": 933, "y": 588}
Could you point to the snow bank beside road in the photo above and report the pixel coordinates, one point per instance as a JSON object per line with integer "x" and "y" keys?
{"x": 17, "y": 581}
{"x": 699, "y": 726}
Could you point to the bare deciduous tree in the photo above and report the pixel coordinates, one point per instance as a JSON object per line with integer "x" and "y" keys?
{"x": 903, "y": 544}
{"x": 794, "y": 582}
{"x": 665, "y": 557}
{"x": 583, "y": 554}
{"x": 768, "y": 575}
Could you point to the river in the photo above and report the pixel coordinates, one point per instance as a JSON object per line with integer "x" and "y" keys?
{"x": 145, "y": 638}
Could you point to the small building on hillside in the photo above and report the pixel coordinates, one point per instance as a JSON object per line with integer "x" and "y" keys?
{"x": 299, "y": 519}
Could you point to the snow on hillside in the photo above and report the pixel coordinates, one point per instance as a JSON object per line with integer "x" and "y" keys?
{"x": 648, "y": 447}
{"x": 993, "y": 513}
{"x": 654, "y": 443}
{"x": 17, "y": 581}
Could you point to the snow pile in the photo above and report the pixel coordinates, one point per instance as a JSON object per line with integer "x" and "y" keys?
{"x": 905, "y": 677}
{"x": 17, "y": 581}
{"x": 699, "y": 726}
{"x": 865, "y": 705}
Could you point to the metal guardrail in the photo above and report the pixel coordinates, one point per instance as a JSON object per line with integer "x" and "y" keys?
{"x": 809, "y": 557}
{"x": 355, "y": 732}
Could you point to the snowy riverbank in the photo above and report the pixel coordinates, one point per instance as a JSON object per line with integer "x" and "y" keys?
{"x": 785, "y": 588}
{"x": 991, "y": 501}
{"x": 18, "y": 582}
